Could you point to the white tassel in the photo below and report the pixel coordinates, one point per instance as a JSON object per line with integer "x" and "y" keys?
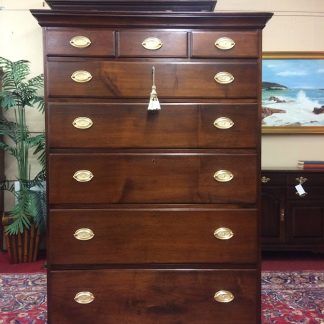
{"x": 154, "y": 103}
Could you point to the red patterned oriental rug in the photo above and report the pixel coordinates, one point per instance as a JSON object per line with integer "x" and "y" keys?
{"x": 23, "y": 298}
{"x": 287, "y": 297}
{"x": 293, "y": 297}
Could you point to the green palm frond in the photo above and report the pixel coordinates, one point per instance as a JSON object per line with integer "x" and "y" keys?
{"x": 38, "y": 181}
{"x": 20, "y": 221}
{"x": 28, "y": 91}
{"x": 7, "y": 148}
{"x": 14, "y": 76}
{"x": 39, "y": 103}
{"x": 7, "y": 100}
{"x": 37, "y": 208}
{"x": 11, "y": 130}
{"x": 8, "y": 81}
{"x": 21, "y": 217}
{"x": 38, "y": 142}
{"x": 30, "y": 209}
{"x": 18, "y": 71}
{"x": 18, "y": 92}
{"x": 36, "y": 82}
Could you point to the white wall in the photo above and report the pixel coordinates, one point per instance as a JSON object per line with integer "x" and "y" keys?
{"x": 296, "y": 26}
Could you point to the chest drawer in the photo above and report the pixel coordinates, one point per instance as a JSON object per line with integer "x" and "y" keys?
{"x": 152, "y": 178}
{"x": 312, "y": 184}
{"x": 152, "y": 296}
{"x": 124, "y": 79}
{"x": 131, "y": 125}
{"x": 306, "y": 179}
{"x": 225, "y": 44}
{"x": 80, "y": 42}
{"x": 128, "y": 236}
{"x": 152, "y": 44}
{"x": 269, "y": 179}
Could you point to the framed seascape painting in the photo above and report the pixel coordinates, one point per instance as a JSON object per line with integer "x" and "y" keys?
{"x": 293, "y": 92}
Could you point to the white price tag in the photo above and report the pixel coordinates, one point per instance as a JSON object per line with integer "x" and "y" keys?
{"x": 300, "y": 190}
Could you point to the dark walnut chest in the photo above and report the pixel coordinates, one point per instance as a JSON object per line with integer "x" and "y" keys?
{"x": 153, "y": 215}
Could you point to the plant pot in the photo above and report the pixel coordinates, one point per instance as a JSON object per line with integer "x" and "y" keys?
{"x": 22, "y": 247}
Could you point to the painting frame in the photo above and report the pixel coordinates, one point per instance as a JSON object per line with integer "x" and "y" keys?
{"x": 292, "y": 56}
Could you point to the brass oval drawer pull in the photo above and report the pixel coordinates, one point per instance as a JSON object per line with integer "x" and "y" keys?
{"x": 265, "y": 179}
{"x": 224, "y": 78}
{"x": 223, "y": 176}
{"x": 84, "y": 297}
{"x": 223, "y": 233}
{"x": 81, "y": 76}
{"x": 82, "y": 122}
{"x": 224, "y": 43}
{"x": 152, "y": 43}
{"x": 80, "y": 41}
{"x": 223, "y": 123}
{"x": 223, "y": 296}
{"x": 83, "y": 175}
{"x": 83, "y": 234}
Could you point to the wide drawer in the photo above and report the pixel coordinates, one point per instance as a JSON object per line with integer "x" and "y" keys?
{"x": 80, "y": 42}
{"x": 86, "y": 236}
{"x": 153, "y": 296}
{"x": 131, "y": 125}
{"x": 225, "y": 44}
{"x": 125, "y": 79}
{"x": 152, "y": 43}
{"x": 152, "y": 178}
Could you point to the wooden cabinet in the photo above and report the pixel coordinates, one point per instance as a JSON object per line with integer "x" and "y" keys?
{"x": 153, "y": 215}
{"x": 291, "y": 221}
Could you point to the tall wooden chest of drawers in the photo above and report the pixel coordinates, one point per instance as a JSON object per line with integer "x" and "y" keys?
{"x": 153, "y": 215}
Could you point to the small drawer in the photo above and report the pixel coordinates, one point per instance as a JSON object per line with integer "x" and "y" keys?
{"x": 306, "y": 178}
{"x": 312, "y": 185}
{"x": 177, "y": 125}
{"x": 269, "y": 179}
{"x": 154, "y": 296}
{"x": 111, "y": 79}
{"x": 169, "y": 177}
{"x": 225, "y": 44}
{"x": 135, "y": 236}
{"x": 80, "y": 42}
{"x": 152, "y": 44}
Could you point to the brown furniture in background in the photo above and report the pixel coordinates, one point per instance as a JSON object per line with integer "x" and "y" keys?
{"x": 292, "y": 222}
{"x": 153, "y": 215}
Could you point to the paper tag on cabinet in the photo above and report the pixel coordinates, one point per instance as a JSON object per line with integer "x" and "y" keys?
{"x": 300, "y": 190}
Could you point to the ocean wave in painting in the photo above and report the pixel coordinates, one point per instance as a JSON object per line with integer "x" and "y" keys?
{"x": 293, "y": 107}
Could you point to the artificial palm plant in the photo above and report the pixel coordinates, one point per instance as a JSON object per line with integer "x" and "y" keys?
{"x": 19, "y": 93}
